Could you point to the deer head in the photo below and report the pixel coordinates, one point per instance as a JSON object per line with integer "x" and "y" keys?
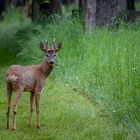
{"x": 50, "y": 52}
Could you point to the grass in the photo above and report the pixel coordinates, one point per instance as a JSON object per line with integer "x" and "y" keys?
{"x": 65, "y": 114}
{"x": 13, "y": 29}
{"x": 94, "y": 90}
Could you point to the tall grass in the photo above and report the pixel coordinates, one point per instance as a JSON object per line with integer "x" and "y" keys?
{"x": 13, "y": 30}
{"x": 105, "y": 66}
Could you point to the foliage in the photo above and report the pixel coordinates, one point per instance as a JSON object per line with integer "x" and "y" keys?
{"x": 14, "y": 28}
{"x": 137, "y": 5}
{"x": 64, "y": 113}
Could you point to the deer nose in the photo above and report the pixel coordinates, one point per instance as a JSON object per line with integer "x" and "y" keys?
{"x": 51, "y": 62}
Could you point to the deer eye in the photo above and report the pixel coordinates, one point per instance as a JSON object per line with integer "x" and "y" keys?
{"x": 47, "y": 55}
{"x": 54, "y": 55}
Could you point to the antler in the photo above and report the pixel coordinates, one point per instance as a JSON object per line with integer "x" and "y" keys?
{"x": 44, "y": 46}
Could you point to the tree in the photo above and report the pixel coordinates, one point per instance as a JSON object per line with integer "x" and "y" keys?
{"x": 68, "y": 2}
{"x": 106, "y": 11}
{"x": 52, "y": 7}
{"x": 18, "y": 2}
{"x": 2, "y": 4}
{"x": 47, "y": 8}
{"x": 131, "y": 4}
{"x": 81, "y": 6}
{"x": 101, "y": 12}
{"x": 89, "y": 11}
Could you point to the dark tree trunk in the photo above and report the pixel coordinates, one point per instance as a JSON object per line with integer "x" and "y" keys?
{"x": 53, "y": 7}
{"x": 122, "y": 5}
{"x": 106, "y": 11}
{"x": 131, "y": 5}
{"x": 89, "y": 12}
{"x": 18, "y": 2}
{"x": 35, "y": 9}
{"x": 101, "y": 12}
{"x": 2, "y": 5}
{"x": 81, "y": 5}
{"x": 27, "y": 10}
{"x": 67, "y": 2}
{"x": 133, "y": 14}
{"x": 7, "y": 3}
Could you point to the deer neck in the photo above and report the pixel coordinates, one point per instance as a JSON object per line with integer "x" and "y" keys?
{"x": 46, "y": 68}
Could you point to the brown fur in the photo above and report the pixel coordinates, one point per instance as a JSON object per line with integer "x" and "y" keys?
{"x": 29, "y": 78}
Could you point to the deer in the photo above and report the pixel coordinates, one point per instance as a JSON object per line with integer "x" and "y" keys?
{"x": 31, "y": 79}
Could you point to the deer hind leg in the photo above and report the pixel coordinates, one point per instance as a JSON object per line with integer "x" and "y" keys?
{"x": 37, "y": 101}
{"x": 31, "y": 108}
{"x": 17, "y": 97}
{"x": 9, "y": 93}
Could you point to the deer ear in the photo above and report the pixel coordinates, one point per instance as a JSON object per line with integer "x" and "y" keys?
{"x": 58, "y": 47}
{"x": 43, "y": 47}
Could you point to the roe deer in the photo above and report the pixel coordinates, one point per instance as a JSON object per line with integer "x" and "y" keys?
{"x": 29, "y": 78}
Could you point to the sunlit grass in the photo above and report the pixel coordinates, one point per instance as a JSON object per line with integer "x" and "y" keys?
{"x": 65, "y": 114}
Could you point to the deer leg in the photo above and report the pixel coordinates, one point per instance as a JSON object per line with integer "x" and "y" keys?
{"x": 17, "y": 97}
{"x": 9, "y": 93}
{"x": 31, "y": 108}
{"x": 37, "y": 101}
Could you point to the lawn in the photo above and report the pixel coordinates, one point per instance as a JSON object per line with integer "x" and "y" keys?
{"x": 65, "y": 114}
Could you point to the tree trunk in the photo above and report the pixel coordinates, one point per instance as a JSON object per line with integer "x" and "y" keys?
{"x": 106, "y": 11}
{"x": 35, "y": 9}
{"x": 51, "y": 8}
{"x": 101, "y": 12}
{"x": 131, "y": 5}
{"x": 18, "y": 2}
{"x": 89, "y": 12}
{"x": 81, "y": 6}
{"x": 7, "y": 3}
{"x": 27, "y": 10}
{"x": 2, "y": 4}
{"x": 68, "y": 2}
{"x": 122, "y": 5}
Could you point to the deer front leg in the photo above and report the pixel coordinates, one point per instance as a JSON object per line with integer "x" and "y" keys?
{"x": 31, "y": 108}
{"x": 17, "y": 97}
{"x": 37, "y": 101}
{"x": 9, "y": 93}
